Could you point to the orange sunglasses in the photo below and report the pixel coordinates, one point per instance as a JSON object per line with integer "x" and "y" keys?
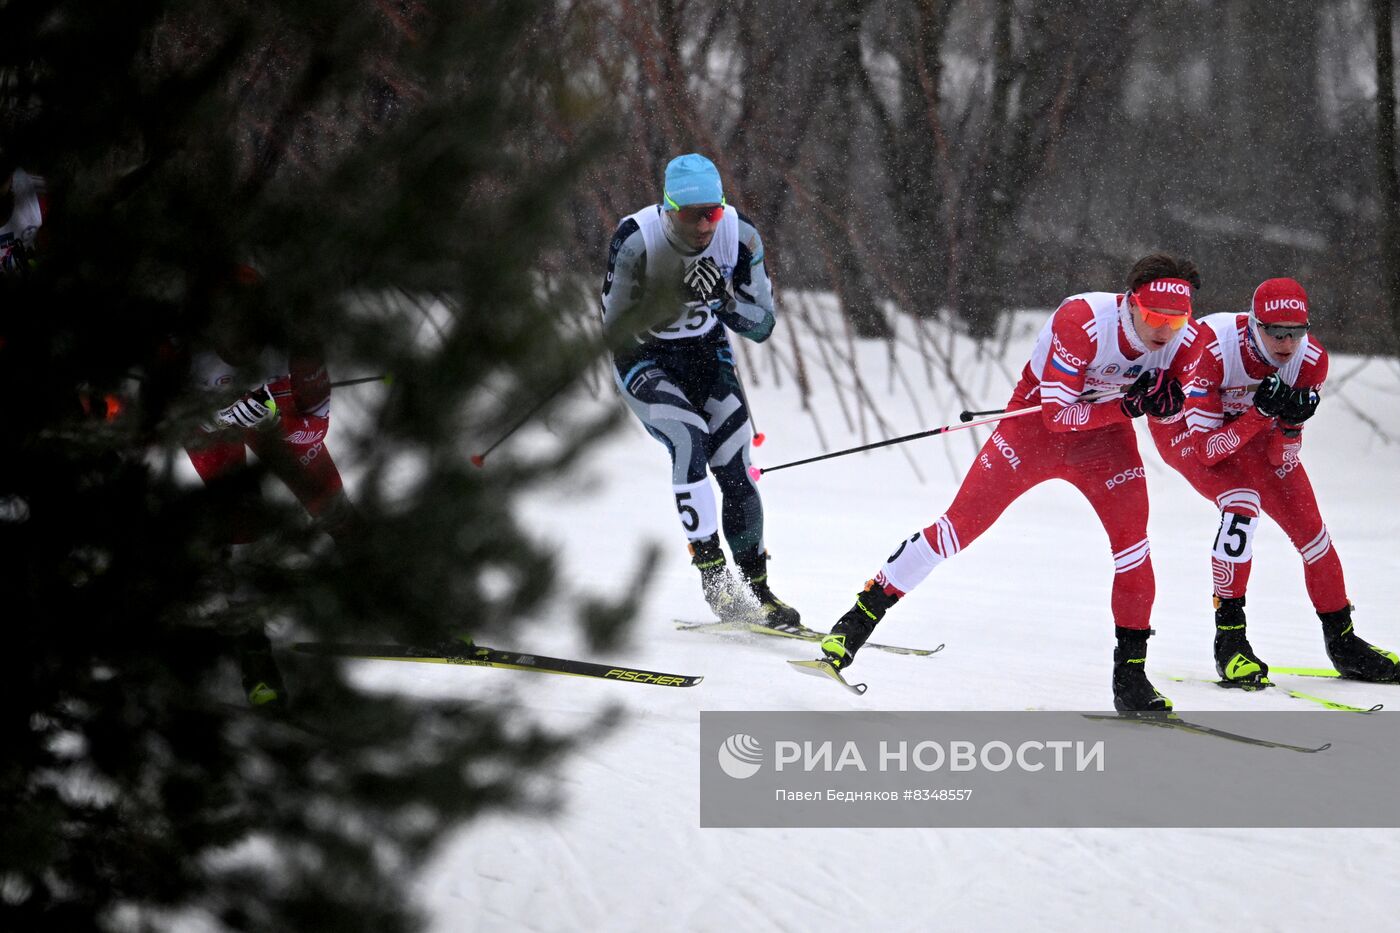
{"x": 1152, "y": 318}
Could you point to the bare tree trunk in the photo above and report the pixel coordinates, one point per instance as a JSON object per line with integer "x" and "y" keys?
{"x": 990, "y": 204}
{"x": 851, "y": 280}
{"x": 1385, "y": 159}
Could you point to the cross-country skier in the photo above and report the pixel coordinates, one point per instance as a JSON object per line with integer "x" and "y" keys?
{"x": 680, "y": 273}
{"x": 1258, "y": 377}
{"x": 1130, "y": 344}
{"x": 23, "y": 204}
{"x": 284, "y": 419}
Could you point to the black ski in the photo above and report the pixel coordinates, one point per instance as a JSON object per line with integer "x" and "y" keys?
{"x": 478, "y": 656}
{"x": 804, "y": 634}
{"x": 1173, "y": 721}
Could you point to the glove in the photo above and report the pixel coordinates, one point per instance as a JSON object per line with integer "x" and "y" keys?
{"x": 704, "y": 281}
{"x": 1299, "y": 405}
{"x": 255, "y": 409}
{"x": 1272, "y": 396}
{"x": 1166, "y": 400}
{"x": 1153, "y": 394}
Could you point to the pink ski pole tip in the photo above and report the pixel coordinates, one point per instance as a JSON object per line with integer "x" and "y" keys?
{"x": 759, "y": 438}
{"x": 755, "y": 473}
{"x": 478, "y": 460}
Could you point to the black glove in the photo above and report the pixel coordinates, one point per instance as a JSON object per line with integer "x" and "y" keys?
{"x": 1167, "y": 400}
{"x": 1272, "y": 396}
{"x": 1299, "y": 405}
{"x": 1153, "y": 394}
{"x": 704, "y": 281}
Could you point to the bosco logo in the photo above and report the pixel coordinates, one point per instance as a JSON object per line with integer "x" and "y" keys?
{"x": 1126, "y": 475}
{"x": 1170, "y": 288}
{"x": 1064, "y": 354}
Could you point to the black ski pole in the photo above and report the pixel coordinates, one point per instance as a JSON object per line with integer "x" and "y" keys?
{"x": 757, "y": 472}
{"x": 359, "y": 380}
{"x": 479, "y": 460}
{"x": 758, "y": 436}
{"x": 1089, "y": 397}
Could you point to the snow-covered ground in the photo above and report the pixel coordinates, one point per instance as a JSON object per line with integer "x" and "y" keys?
{"x": 1026, "y": 619}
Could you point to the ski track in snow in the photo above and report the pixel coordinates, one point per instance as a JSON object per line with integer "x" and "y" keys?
{"x": 627, "y": 853}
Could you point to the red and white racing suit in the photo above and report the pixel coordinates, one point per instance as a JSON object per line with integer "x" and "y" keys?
{"x": 1244, "y": 462}
{"x": 1088, "y": 345}
{"x": 295, "y": 449}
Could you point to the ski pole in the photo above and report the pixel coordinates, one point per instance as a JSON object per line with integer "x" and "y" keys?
{"x": 969, "y": 415}
{"x": 756, "y": 472}
{"x": 386, "y": 379}
{"x": 479, "y": 460}
{"x": 758, "y": 436}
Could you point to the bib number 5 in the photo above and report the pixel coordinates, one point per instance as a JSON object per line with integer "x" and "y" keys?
{"x": 690, "y": 519}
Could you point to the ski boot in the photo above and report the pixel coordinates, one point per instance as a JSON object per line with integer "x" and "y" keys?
{"x": 774, "y": 613}
{"x": 459, "y": 646}
{"x": 854, "y": 628}
{"x": 729, "y": 601}
{"x": 1353, "y": 658}
{"x": 1235, "y": 660}
{"x": 262, "y": 680}
{"x": 1132, "y": 691}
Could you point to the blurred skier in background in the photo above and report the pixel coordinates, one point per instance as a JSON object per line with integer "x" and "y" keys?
{"x": 283, "y": 418}
{"x": 23, "y": 204}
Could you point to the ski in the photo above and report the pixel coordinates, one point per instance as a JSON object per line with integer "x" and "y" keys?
{"x": 822, "y": 668}
{"x": 1173, "y": 721}
{"x": 1324, "y": 702}
{"x": 1309, "y": 672}
{"x": 478, "y": 656}
{"x": 806, "y": 634}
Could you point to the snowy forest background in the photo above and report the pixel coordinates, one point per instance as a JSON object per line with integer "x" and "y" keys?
{"x": 429, "y": 192}
{"x": 975, "y": 156}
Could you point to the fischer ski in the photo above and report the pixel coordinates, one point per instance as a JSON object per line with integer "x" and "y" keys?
{"x": 823, "y": 668}
{"x": 478, "y": 656}
{"x": 806, "y": 634}
{"x": 1173, "y": 721}
{"x": 1324, "y": 702}
{"x": 1311, "y": 672}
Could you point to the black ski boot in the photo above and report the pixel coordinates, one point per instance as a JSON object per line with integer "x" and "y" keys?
{"x": 1132, "y": 691}
{"x": 728, "y": 600}
{"x": 1353, "y": 658}
{"x": 1235, "y": 660}
{"x": 262, "y": 680}
{"x": 775, "y": 613}
{"x": 854, "y": 628}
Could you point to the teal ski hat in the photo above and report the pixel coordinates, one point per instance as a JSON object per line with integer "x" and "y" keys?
{"x": 691, "y": 179}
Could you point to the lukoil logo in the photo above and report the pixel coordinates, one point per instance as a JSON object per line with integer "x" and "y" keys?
{"x": 1170, "y": 288}
{"x": 741, "y": 756}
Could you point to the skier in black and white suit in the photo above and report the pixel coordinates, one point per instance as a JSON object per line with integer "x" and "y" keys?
{"x": 686, "y": 269}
